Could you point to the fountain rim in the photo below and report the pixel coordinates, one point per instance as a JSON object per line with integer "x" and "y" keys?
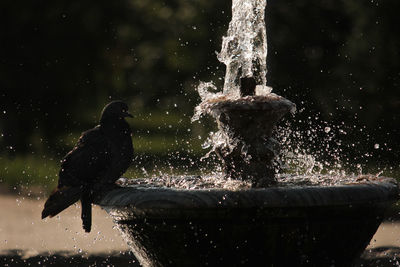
{"x": 382, "y": 190}
{"x": 270, "y": 101}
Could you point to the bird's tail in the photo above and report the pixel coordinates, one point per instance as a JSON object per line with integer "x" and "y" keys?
{"x": 61, "y": 199}
{"x": 86, "y": 215}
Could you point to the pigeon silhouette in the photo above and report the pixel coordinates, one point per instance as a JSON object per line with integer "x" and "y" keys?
{"x": 100, "y": 157}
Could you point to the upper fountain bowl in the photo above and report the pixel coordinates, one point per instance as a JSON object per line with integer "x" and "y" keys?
{"x": 245, "y": 144}
{"x": 245, "y": 116}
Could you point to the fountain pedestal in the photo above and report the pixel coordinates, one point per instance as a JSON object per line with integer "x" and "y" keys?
{"x": 247, "y": 124}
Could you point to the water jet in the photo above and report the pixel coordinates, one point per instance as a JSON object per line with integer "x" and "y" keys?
{"x": 251, "y": 218}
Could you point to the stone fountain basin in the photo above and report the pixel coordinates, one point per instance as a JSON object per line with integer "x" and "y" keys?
{"x": 277, "y": 226}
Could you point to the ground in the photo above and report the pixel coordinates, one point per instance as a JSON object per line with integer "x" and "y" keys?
{"x": 60, "y": 241}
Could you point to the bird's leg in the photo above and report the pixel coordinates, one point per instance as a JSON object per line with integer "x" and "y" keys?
{"x": 86, "y": 216}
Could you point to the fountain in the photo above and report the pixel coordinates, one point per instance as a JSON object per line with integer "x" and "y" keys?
{"x": 247, "y": 217}
{"x": 247, "y": 105}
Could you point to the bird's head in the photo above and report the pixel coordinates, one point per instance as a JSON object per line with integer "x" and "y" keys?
{"x": 115, "y": 110}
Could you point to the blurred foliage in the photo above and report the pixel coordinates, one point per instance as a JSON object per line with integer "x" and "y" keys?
{"x": 23, "y": 172}
{"x": 61, "y": 61}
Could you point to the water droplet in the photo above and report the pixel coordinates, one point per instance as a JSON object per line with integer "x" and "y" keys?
{"x": 327, "y": 129}
{"x": 376, "y": 146}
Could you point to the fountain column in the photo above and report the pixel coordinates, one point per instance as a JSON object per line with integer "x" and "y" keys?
{"x": 246, "y": 111}
{"x": 249, "y": 148}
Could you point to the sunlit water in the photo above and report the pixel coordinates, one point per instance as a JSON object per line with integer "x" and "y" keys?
{"x": 216, "y": 181}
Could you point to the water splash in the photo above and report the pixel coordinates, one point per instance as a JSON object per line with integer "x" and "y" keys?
{"x": 207, "y": 91}
{"x": 315, "y": 151}
{"x": 309, "y": 149}
{"x": 215, "y": 181}
{"x": 315, "y": 146}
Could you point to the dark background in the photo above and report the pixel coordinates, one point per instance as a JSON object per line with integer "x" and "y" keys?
{"x": 62, "y": 61}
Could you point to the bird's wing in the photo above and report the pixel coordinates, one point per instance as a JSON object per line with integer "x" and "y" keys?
{"x": 87, "y": 161}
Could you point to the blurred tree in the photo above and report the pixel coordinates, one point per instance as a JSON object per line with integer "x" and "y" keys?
{"x": 59, "y": 58}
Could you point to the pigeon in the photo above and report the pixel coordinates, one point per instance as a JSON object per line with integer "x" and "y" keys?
{"x": 99, "y": 158}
